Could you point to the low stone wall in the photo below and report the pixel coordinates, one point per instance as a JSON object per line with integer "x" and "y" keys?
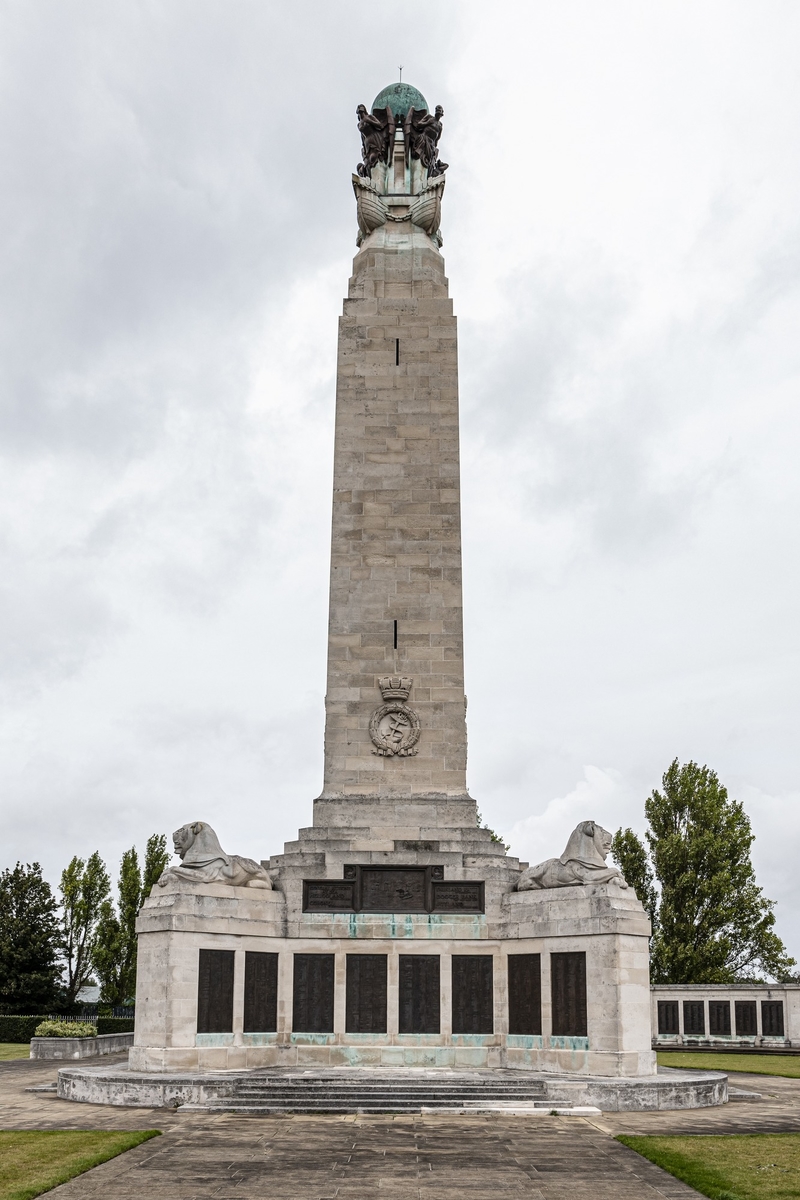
{"x": 83, "y": 1047}
{"x": 726, "y": 1016}
{"x": 670, "y": 1089}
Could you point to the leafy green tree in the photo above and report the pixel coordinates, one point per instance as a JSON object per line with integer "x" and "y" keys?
{"x": 713, "y": 924}
{"x": 114, "y": 947}
{"x": 630, "y": 855}
{"x": 29, "y": 941}
{"x": 84, "y": 887}
{"x": 156, "y": 861}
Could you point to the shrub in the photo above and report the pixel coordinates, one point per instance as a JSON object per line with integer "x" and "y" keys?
{"x": 65, "y": 1029}
{"x": 115, "y": 1024}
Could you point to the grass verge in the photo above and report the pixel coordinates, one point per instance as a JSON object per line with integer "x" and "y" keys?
{"x": 758, "y": 1166}
{"x": 9, "y": 1050}
{"x": 34, "y": 1161}
{"x": 753, "y": 1064}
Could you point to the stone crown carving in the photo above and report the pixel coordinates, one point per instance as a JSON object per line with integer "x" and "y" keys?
{"x": 395, "y": 687}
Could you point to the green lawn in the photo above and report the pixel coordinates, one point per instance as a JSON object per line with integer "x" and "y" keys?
{"x": 34, "y": 1161}
{"x": 14, "y": 1050}
{"x": 754, "y": 1064}
{"x": 759, "y": 1166}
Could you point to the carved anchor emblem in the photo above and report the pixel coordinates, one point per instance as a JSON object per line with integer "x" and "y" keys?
{"x": 394, "y": 727}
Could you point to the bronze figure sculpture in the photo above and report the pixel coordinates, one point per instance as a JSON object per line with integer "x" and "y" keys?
{"x": 377, "y": 137}
{"x": 422, "y": 132}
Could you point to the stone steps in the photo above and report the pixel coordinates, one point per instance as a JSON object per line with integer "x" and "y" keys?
{"x": 383, "y": 1094}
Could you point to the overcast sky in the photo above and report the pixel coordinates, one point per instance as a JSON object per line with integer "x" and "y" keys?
{"x": 622, "y": 237}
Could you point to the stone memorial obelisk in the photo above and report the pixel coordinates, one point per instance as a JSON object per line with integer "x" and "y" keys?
{"x": 395, "y": 733}
{"x": 393, "y": 931}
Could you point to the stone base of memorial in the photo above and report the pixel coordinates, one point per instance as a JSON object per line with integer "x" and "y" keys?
{"x": 553, "y": 980}
{"x": 389, "y": 954}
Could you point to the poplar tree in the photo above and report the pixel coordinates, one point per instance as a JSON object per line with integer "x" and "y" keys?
{"x": 84, "y": 887}
{"x": 713, "y": 924}
{"x": 114, "y": 946}
{"x": 630, "y": 855}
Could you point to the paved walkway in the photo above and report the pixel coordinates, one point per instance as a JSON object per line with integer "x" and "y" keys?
{"x": 436, "y": 1157}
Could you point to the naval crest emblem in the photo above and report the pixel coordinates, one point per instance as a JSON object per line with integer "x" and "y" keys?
{"x": 394, "y": 727}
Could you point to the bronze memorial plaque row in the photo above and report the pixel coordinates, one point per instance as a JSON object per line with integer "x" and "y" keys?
{"x": 419, "y": 993}
{"x": 393, "y": 890}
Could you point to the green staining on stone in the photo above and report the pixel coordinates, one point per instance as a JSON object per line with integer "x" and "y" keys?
{"x": 400, "y": 97}
{"x": 213, "y": 1039}
{"x": 574, "y": 1044}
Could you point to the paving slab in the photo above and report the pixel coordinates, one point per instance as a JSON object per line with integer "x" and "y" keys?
{"x": 437, "y": 1156}
{"x": 776, "y": 1111}
{"x": 432, "y": 1157}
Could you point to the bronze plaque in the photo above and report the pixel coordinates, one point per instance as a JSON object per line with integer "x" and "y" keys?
{"x": 260, "y": 992}
{"x": 458, "y": 897}
{"x": 379, "y": 889}
{"x": 328, "y": 895}
{"x": 473, "y": 1008}
{"x": 525, "y": 993}
{"x": 312, "y": 1001}
{"x": 400, "y": 889}
{"x": 215, "y": 992}
{"x": 568, "y": 993}
{"x": 419, "y": 993}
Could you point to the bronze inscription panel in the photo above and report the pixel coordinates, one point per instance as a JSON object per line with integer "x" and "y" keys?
{"x": 393, "y": 890}
{"x": 328, "y": 895}
{"x": 458, "y": 897}
{"x": 397, "y": 890}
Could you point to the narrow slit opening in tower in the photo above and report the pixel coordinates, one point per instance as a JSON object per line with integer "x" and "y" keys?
{"x": 396, "y": 361}
{"x": 395, "y": 635}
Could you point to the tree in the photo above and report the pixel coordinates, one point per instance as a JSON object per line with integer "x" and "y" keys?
{"x": 156, "y": 861}
{"x": 630, "y": 855}
{"x": 84, "y": 887}
{"x": 29, "y": 941}
{"x": 713, "y": 922}
{"x": 114, "y": 947}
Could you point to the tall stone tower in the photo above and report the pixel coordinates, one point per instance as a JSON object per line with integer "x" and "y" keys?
{"x": 395, "y": 736}
{"x": 393, "y": 931}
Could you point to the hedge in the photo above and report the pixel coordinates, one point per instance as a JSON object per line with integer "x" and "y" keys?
{"x": 114, "y": 1024}
{"x": 18, "y": 1029}
{"x": 21, "y": 1029}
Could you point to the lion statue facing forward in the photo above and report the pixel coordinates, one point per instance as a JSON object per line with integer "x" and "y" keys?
{"x": 204, "y": 861}
{"x": 583, "y": 861}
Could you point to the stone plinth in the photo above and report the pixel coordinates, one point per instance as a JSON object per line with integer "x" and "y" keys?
{"x": 607, "y": 924}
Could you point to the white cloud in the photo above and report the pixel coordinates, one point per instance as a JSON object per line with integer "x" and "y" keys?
{"x": 176, "y": 229}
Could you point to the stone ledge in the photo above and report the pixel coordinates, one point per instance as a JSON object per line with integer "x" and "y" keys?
{"x": 670, "y": 1089}
{"x": 80, "y": 1047}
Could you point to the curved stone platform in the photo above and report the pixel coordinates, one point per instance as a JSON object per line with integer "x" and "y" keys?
{"x": 399, "y": 1090}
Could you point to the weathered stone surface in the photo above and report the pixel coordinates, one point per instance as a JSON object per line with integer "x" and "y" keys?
{"x": 396, "y": 553}
{"x": 87, "y": 1047}
{"x": 352, "y": 1089}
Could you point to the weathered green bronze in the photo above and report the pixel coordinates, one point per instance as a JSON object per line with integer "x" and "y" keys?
{"x": 400, "y": 97}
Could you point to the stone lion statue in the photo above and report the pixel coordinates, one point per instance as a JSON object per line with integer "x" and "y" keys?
{"x": 204, "y": 861}
{"x": 583, "y": 861}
